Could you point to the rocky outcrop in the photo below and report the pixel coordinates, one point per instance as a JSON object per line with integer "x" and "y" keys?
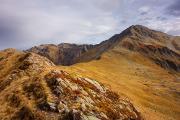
{"x": 62, "y": 54}
{"x": 162, "y": 56}
{"x": 159, "y": 47}
{"x": 36, "y": 89}
{"x": 83, "y": 99}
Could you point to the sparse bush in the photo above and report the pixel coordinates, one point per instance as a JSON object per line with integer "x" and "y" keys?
{"x": 25, "y": 65}
{"x": 52, "y": 82}
{"x": 21, "y": 59}
{"x": 1, "y": 58}
{"x": 5, "y": 83}
{"x": 113, "y": 114}
{"x": 24, "y": 114}
{"x": 109, "y": 110}
{"x": 1, "y": 67}
{"x": 77, "y": 92}
{"x": 36, "y": 90}
{"x": 13, "y": 99}
{"x": 72, "y": 116}
{"x": 112, "y": 95}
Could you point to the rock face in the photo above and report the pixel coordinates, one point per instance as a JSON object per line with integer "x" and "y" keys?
{"x": 63, "y": 54}
{"x": 33, "y": 88}
{"x": 162, "y": 56}
{"x": 163, "y": 49}
{"x": 83, "y": 98}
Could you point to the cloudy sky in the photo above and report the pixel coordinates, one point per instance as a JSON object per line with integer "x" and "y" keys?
{"x": 25, "y": 23}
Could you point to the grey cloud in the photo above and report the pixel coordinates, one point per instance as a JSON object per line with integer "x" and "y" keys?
{"x": 144, "y": 13}
{"x": 174, "y": 32}
{"x": 161, "y": 18}
{"x": 9, "y": 31}
{"x": 124, "y": 21}
{"x": 27, "y": 23}
{"x": 56, "y": 21}
{"x": 145, "y": 19}
{"x": 174, "y": 8}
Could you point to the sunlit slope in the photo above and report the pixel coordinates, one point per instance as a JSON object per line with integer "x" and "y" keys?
{"x": 33, "y": 88}
{"x": 153, "y": 90}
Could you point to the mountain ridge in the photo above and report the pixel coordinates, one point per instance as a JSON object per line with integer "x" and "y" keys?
{"x": 132, "y": 38}
{"x": 33, "y": 88}
{"x": 140, "y": 64}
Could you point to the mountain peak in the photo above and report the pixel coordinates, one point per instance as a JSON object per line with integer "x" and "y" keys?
{"x": 139, "y": 30}
{"x": 134, "y": 30}
{"x": 139, "y": 26}
{"x": 133, "y": 38}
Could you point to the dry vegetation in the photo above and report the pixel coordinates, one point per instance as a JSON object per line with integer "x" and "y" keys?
{"x": 153, "y": 90}
{"x": 33, "y": 88}
{"x": 140, "y": 64}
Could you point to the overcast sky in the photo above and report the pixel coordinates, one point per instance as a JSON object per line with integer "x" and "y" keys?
{"x": 25, "y": 23}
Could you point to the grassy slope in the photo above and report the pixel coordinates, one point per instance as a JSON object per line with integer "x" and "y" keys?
{"x": 26, "y": 90}
{"x": 153, "y": 90}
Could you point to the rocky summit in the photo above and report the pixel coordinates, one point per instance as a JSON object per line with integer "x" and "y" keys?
{"x": 33, "y": 88}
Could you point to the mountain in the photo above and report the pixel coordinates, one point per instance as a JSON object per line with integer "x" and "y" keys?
{"x": 163, "y": 49}
{"x": 33, "y": 88}
{"x": 132, "y": 75}
{"x": 140, "y": 63}
{"x": 64, "y": 54}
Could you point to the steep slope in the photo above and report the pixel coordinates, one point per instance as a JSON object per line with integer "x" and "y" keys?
{"x": 32, "y": 87}
{"x": 161, "y": 48}
{"x": 142, "y": 64}
{"x": 158, "y": 46}
{"x": 154, "y": 91}
{"x": 138, "y": 66}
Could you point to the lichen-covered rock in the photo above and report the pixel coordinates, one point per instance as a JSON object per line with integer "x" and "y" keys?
{"x": 83, "y": 98}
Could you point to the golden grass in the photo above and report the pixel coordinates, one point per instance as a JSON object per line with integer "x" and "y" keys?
{"x": 148, "y": 86}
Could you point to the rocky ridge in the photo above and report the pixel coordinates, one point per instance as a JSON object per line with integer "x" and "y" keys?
{"x": 34, "y": 88}
{"x": 159, "y": 47}
{"x": 64, "y": 54}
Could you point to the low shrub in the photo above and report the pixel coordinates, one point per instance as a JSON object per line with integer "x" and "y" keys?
{"x": 13, "y": 99}
{"x": 1, "y": 58}
{"x": 112, "y": 95}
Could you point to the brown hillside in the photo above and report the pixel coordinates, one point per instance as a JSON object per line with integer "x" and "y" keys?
{"x": 33, "y": 88}
{"x": 161, "y": 48}
{"x": 153, "y": 90}
{"x": 144, "y": 65}
{"x": 139, "y": 63}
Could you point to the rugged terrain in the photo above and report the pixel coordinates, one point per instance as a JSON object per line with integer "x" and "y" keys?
{"x": 162, "y": 48}
{"x": 33, "y": 88}
{"x": 64, "y": 54}
{"x": 77, "y": 81}
{"x": 141, "y": 63}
